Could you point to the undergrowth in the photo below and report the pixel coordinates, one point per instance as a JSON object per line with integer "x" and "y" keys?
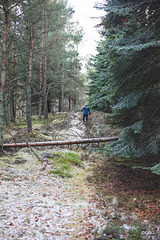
{"x": 112, "y": 231}
{"x": 63, "y": 163}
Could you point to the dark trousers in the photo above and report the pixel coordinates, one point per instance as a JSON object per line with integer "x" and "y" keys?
{"x": 85, "y": 117}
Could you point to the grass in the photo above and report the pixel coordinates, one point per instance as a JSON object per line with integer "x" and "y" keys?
{"x": 112, "y": 231}
{"x": 63, "y": 163}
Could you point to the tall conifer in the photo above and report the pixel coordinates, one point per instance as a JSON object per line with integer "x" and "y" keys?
{"x": 127, "y": 73}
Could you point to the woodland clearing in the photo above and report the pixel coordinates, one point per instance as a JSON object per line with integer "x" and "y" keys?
{"x": 96, "y": 196}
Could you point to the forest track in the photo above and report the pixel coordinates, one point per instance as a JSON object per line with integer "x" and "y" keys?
{"x": 36, "y": 204}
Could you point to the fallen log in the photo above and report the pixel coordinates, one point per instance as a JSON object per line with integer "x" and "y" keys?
{"x": 55, "y": 143}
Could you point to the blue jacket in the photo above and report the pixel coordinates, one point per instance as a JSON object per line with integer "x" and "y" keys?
{"x": 86, "y": 110}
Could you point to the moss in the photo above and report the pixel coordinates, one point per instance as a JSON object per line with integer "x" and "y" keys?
{"x": 60, "y": 172}
{"x": 113, "y": 231}
{"x": 13, "y": 160}
{"x": 63, "y": 163}
{"x": 5, "y": 159}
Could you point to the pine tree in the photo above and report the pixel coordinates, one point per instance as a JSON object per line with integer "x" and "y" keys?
{"x": 38, "y": 55}
{"x": 3, "y": 69}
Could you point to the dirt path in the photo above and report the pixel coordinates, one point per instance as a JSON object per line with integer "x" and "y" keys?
{"x": 37, "y": 205}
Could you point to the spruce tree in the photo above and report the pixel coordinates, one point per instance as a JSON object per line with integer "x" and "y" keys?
{"x": 127, "y": 70}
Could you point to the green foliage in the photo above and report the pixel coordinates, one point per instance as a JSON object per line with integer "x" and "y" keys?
{"x": 135, "y": 128}
{"x": 156, "y": 169}
{"x": 113, "y": 231}
{"x": 62, "y": 163}
{"x": 125, "y": 73}
{"x": 129, "y": 101}
{"x": 58, "y": 59}
{"x": 130, "y": 145}
{"x": 135, "y": 234}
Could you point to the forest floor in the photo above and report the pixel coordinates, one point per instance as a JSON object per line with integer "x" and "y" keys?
{"x": 95, "y": 197}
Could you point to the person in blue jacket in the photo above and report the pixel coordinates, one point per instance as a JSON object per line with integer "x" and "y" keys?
{"x": 85, "y": 111}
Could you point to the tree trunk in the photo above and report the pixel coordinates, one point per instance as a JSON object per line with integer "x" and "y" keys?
{"x": 6, "y": 112}
{"x": 29, "y": 94}
{"x": 3, "y": 72}
{"x": 63, "y": 142}
{"x": 62, "y": 102}
{"x": 28, "y": 108}
{"x": 11, "y": 105}
{"x": 12, "y": 97}
{"x": 45, "y": 73}
{"x": 6, "y": 103}
{"x": 41, "y": 73}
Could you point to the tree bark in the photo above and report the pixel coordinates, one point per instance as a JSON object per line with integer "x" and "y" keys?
{"x": 12, "y": 97}
{"x": 41, "y": 73}
{"x": 60, "y": 102}
{"x": 3, "y": 72}
{"x": 66, "y": 142}
{"x": 29, "y": 93}
{"x": 45, "y": 73}
{"x": 6, "y": 112}
{"x": 69, "y": 103}
{"x": 6, "y": 99}
{"x": 62, "y": 88}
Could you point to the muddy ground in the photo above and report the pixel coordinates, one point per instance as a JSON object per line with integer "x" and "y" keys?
{"x": 105, "y": 198}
